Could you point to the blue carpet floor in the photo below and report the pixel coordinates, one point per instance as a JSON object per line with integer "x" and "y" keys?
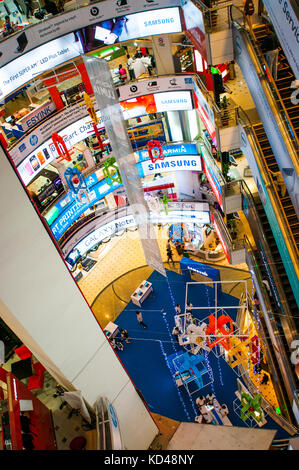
{"x": 145, "y": 357}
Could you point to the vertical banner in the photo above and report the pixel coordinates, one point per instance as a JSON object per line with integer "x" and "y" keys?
{"x": 101, "y": 80}
{"x": 194, "y": 25}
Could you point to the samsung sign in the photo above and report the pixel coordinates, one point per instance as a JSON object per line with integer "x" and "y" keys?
{"x": 187, "y": 163}
{"x": 286, "y": 24}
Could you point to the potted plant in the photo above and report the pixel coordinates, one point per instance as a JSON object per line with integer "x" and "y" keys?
{"x": 224, "y": 111}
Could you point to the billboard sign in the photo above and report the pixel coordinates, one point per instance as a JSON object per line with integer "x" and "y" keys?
{"x": 194, "y": 26}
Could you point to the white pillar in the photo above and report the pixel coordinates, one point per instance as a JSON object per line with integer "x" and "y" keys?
{"x": 41, "y": 303}
{"x": 163, "y": 54}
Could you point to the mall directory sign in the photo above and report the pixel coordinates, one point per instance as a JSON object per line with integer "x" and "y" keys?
{"x": 59, "y": 25}
{"x": 101, "y": 80}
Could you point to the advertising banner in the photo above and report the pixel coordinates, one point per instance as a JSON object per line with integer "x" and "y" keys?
{"x": 284, "y": 15}
{"x": 170, "y": 151}
{"x": 46, "y": 153}
{"x": 187, "y": 163}
{"x": 59, "y": 25}
{"x": 265, "y": 112}
{"x": 194, "y": 26}
{"x": 157, "y": 102}
{"x": 74, "y": 209}
{"x": 126, "y": 27}
{"x": 213, "y": 174}
{"x": 43, "y": 133}
{"x": 28, "y": 66}
{"x": 101, "y": 80}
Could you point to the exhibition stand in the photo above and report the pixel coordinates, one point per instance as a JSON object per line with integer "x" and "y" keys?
{"x": 141, "y": 293}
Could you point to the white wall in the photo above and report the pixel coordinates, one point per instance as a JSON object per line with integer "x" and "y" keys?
{"x": 221, "y": 44}
{"x": 41, "y": 303}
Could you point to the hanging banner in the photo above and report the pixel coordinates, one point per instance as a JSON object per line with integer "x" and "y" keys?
{"x": 284, "y": 16}
{"x": 194, "y": 27}
{"x": 113, "y": 119}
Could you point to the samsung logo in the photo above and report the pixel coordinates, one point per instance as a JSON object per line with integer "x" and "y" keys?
{"x": 171, "y": 164}
{"x": 157, "y": 22}
{"x": 175, "y": 101}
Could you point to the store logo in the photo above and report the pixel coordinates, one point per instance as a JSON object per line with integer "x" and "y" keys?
{"x": 94, "y": 11}
{"x": 33, "y": 140}
{"x": 152, "y": 84}
{"x": 133, "y": 88}
{"x": 189, "y": 80}
{"x": 22, "y": 147}
{"x": 173, "y": 81}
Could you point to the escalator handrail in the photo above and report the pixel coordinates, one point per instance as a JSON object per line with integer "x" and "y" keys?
{"x": 269, "y": 181}
{"x": 264, "y": 66}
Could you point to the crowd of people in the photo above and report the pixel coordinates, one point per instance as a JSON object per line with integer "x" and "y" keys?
{"x": 147, "y": 61}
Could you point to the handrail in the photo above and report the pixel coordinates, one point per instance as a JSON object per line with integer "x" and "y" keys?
{"x": 272, "y": 89}
{"x": 270, "y": 186}
{"x": 272, "y": 327}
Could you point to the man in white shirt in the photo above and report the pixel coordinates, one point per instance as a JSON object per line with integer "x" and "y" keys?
{"x": 130, "y": 63}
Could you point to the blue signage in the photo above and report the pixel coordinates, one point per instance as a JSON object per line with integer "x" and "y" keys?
{"x": 73, "y": 209}
{"x": 170, "y": 151}
{"x": 189, "y": 265}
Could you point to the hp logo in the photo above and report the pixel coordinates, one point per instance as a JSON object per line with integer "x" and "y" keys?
{"x": 33, "y": 140}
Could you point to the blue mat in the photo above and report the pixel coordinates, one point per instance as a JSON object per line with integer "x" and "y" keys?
{"x": 145, "y": 358}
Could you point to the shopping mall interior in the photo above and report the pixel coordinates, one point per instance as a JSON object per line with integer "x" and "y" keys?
{"x": 149, "y": 225}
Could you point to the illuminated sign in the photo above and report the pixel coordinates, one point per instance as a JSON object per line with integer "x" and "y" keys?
{"x": 26, "y": 67}
{"x": 195, "y": 29}
{"x": 186, "y": 163}
{"x": 157, "y": 102}
{"x": 205, "y": 113}
{"x": 171, "y": 150}
{"x": 126, "y": 27}
{"x": 46, "y": 153}
{"x": 211, "y": 180}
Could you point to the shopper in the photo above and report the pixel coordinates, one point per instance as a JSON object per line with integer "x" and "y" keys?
{"x": 51, "y": 7}
{"x": 279, "y": 183}
{"x": 19, "y": 7}
{"x": 140, "y": 319}
{"x": 189, "y": 307}
{"x": 248, "y": 10}
{"x": 169, "y": 254}
{"x": 130, "y": 67}
{"x": 178, "y": 309}
{"x": 125, "y": 335}
{"x": 200, "y": 401}
{"x": 122, "y": 73}
{"x": 29, "y": 8}
{"x": 176, "y": 333}
{"x": 265, "y": 379}
{"x": 271, "y": 46}
{"x": 210, "y": 397}
{"x": 147, "y": 63}
{"x": 7, "y": 25}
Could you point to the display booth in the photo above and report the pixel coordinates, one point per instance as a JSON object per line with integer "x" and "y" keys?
{"x": 189, "y": 265}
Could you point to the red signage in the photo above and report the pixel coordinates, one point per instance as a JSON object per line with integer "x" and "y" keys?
{"x": 212, "y": 182}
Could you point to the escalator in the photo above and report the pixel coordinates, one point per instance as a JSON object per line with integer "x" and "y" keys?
{"x": 285, "y": 77}
{"x": 271, "y": 164}
{"x": 284, "y": 281}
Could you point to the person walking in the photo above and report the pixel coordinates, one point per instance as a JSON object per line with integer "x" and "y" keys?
{"x": 130, "y": 63}
{"x": 140, "y": 319}
{"x": 175, "y": 333}
{"x": 122, "y": 73}
{"x": 169, "y": 254}
{"x": 29, "y": 8}
{"x": 178, "y": 309}
{"x": 271, "y": 46}
{"x": 249, "y": 11}
{"x": 125, "y": 335}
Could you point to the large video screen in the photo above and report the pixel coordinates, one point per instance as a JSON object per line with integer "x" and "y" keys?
{"x": 157, "y": 102}
{"x": 124, "y": 28}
